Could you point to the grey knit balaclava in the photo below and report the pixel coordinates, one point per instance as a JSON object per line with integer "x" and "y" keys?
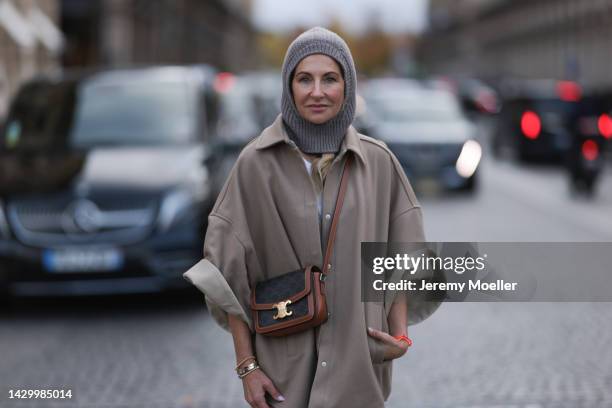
{"x": 325, "y": 137}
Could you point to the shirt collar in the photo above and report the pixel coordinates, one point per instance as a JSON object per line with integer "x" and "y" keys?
{"x": 276, "y": 133}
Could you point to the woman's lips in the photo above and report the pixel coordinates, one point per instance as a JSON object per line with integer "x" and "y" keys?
{"x": 317, "y": 108}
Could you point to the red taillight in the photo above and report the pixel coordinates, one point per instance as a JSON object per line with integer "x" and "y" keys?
{"x": 224, "y": 81}
{"x": 569, "y": 91}
{"x": 605, "y": 125}
{"x": 531, "y": 125}
{"x": 590, "y": 150}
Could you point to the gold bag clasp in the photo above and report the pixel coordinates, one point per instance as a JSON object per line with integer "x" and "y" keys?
{"x": 281, "y": 310}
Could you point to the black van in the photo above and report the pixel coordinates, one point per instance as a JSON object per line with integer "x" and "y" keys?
{"x": 104, "y": 186}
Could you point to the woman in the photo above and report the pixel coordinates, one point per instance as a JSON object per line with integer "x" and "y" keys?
{"x": 273, "y": 216}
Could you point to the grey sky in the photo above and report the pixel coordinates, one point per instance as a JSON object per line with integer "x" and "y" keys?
{"x": 396, "y": 15}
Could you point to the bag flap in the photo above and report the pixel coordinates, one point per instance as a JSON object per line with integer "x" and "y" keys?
{"x": 291, "y": 286}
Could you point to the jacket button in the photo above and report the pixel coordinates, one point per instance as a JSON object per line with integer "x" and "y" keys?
{"x": 329, "y": 266}
{"x": 324, "y": 364}
{"x": 328, "y": 217}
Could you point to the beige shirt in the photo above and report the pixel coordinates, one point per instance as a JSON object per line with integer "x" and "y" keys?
{"x": 265, "y": 223}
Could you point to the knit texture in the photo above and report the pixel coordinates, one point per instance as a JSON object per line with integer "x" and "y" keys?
{"x": 325, "y": 137}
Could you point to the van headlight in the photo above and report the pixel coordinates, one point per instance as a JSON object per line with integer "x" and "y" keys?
{"x": 185, "y": 200}
{"x": 175, "y": 206}
{"x": 469, "y": 158}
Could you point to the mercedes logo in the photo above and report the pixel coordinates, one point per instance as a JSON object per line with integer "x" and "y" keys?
{"x": 81, "y": 216}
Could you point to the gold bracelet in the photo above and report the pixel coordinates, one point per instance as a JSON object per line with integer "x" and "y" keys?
{"x": 243, "y": 372}
{"x": 244, "y": 360}
{"x": 248, "y": 372}
{"x": 246, "y": 368}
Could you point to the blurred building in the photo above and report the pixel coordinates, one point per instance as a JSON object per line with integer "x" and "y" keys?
{"x": 128, "y": 32}
{"x": 563, "y": 39}
{"x": 30, "y": 43}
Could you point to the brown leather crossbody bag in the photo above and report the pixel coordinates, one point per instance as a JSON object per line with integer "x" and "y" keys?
{"x": 295, "y": 301}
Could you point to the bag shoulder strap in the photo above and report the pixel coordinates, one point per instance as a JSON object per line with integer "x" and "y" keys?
{"x": 334, "y": 225}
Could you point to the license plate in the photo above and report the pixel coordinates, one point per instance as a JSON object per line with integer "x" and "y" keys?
{"x": 82, "y": 259}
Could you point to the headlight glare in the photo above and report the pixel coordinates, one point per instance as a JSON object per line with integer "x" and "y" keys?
{"x": 469, "y": 158}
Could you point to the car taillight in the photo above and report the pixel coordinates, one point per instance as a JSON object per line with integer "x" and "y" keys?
{"x": 590, "y": 150}
{"x": 224, "y": 81}
{"x": 569, "y": 91}
{"x": 531, "y": 125}
{"x": 605, "y": 125}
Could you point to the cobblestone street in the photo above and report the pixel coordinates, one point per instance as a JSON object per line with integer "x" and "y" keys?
{"x": 169, "y": 353}
{"x": 166, "y": 352}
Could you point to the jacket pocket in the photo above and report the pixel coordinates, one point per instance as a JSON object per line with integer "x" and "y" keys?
{"x": 377, "y": 350}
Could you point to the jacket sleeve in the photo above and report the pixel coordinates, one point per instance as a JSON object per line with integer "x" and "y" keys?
{"x": 222, "y": 274}
{"x": 407, "y": 228}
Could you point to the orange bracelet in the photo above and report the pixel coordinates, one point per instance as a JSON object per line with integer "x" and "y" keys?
{"x": 404, "y": 338}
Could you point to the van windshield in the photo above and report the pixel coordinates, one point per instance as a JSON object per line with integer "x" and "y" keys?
{"x": 48, "y": 115}
{"x": 412, "y": 106}
{"x": 133, "y": 114}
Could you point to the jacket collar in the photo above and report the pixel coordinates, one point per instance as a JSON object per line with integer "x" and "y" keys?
{"x": 276, "y": 133}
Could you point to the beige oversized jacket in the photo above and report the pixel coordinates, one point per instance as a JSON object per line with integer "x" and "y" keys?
{"x": 265, "y": 223}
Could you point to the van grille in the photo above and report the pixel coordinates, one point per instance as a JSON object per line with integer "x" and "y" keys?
{"x": 69, "y": 220}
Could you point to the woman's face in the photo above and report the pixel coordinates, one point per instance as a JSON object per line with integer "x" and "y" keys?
{"x": 318, "y": 88}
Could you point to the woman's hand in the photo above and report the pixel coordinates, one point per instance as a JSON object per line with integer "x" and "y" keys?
{"x": 255, "y": 385}
{"x": 393, "y": 348}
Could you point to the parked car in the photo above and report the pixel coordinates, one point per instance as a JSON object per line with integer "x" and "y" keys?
{"x": 266, "y": 90}
{"x": 104, "y": 186}
{"x": 426, "y": 129}
{"x": 249, "y": 102}
{"x": 476, "y": 97}
{"x": 536, "y": 119}
{"x": 591, "y": 127}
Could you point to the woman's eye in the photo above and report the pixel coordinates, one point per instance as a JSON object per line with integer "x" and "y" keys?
{"x": 331, "y": 79}
{"x": 304, "y": 79}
